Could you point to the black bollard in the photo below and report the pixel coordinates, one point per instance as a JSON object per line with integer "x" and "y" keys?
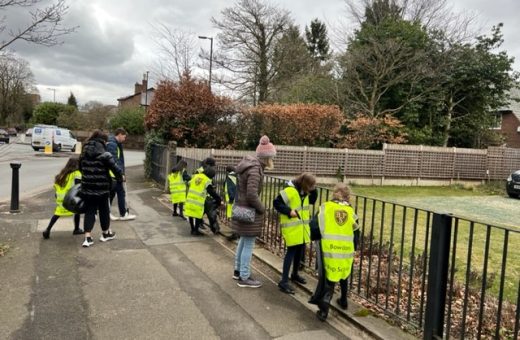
{"x": 15, "y": 188}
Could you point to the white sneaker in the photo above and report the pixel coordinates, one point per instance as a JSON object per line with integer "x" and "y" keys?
{"x": 127, "y": 217}
{"x": 114, "y": 218}
{"x": 107, "y": 236}
{"x": 88, "y": 242}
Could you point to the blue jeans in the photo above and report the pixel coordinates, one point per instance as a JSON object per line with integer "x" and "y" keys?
{"x": 243, "y": 256}
{"x": 121, "y": 197}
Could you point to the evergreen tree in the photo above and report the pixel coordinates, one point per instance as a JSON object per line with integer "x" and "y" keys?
{"x": 317, "y": 40}
{"x": 72, "y": 101}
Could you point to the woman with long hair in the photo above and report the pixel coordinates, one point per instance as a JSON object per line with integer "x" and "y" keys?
{"x": 63, "y": 181}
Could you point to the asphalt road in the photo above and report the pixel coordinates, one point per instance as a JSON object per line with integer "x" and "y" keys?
{"x": 38, "y": 171}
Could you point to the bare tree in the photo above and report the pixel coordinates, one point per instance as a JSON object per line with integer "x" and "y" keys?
{"x": 16, "y": 80}
{"x": 45, "y": 27}
{"x": 248, "y": 35}
{"x": 371, "y": 70}
{"x": 176, "y": 52}
{"x": 432, "y": 14}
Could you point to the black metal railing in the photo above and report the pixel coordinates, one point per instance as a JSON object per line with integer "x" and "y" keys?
{"x": 158, "y": 162}
{"x": 439, "y": 275}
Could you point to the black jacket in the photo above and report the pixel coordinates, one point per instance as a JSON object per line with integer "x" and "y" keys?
{"x": 112, "y": 146}
{"x": 94, "y": 164}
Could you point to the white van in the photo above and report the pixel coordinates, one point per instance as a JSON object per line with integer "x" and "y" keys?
{"x": 59, "y": 138}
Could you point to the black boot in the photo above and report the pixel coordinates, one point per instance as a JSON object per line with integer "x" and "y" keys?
{"x": 342, "y": 303}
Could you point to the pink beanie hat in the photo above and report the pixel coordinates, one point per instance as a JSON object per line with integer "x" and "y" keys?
{"x": 265, "y": 148}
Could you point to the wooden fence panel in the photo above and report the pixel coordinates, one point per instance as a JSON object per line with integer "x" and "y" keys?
{"x": 495, "y": 163}
{"x": 364, "y": 163}
{"x": 436, "y": 163}
{"x": 394, "y": 161}
{"x": 401, "y": 161}
{"x": 470, "y": 164}
{"x": 512, "y": 161}
{"x": 321, "y": 162}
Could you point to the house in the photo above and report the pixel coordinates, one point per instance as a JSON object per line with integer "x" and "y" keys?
{"x": 508, "y": 123}
{"x": 142, "y": 96}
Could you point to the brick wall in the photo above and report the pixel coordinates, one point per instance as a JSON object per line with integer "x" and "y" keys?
{"x": 509, "y": 128}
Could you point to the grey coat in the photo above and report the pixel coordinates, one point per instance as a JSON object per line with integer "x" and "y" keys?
{"x": 250, "y": 176}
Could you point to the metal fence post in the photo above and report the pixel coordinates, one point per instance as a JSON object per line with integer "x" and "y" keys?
{"x": 15, "y": 188}
{"x": 437, "y": 277}
{"x": 171, "y": 152}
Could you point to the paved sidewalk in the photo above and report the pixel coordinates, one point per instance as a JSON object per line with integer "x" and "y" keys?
{"x": 154, "y": 281}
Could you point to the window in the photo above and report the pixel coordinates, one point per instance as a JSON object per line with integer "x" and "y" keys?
{"x": 58, "y": 132}
{"x": 497, "y": 121}
{"x": 37, "y": 131}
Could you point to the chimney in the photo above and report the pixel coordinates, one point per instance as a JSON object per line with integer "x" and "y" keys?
{"x": 145, "y": 82}
{"x": 137, "y": 88}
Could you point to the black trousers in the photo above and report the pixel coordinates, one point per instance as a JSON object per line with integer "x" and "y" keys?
{"x": 324, "y": 302}
{"x": 293, "y": 255}
{"x": 55, "y": 218}
{"x": 195, "y": 223}
{"x": 98, "y": 205}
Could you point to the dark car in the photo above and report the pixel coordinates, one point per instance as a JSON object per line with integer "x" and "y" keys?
{"x": 513, "y": 184}
{"x": 4, "y": 136}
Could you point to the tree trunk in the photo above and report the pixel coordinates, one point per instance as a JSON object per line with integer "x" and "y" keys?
{"x": 449, "y": 118}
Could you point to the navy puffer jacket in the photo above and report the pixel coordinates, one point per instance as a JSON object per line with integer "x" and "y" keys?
{"x": 94, "y": 164}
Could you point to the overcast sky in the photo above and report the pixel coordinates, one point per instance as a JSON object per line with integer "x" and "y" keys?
{"x": 113, "y": 45}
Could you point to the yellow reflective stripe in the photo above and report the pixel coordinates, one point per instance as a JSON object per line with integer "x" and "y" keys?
{"x": 338, "y": 237}
{"x": 307, "y": 207}
{"x": 338, "y": 256}
{"x": 177, "y": 191}
{"x": 321, "y": 219}
{"x": 291, "y": 224}
{"x": 285, "y": 197}
{"x": 200, "y": 194}
{"x": 195, "y": 202}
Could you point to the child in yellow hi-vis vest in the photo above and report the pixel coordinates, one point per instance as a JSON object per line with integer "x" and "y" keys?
{"x": 67, "y": 177}
{"x": 335, "y": 230}
{"x": 200, "y": 187}
{"x": 294, "y": 207}
{"x": 177, "y": 182}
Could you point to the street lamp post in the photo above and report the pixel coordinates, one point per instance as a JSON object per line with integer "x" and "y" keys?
{"x": 210, "y": 57}
{"x": 53, "y": 93}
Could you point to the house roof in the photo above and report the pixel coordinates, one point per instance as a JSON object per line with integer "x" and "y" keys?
{"x": 133, "y": 95}
{"x": 514, "y": 103}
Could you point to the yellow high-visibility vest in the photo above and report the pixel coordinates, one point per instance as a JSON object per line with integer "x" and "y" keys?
{"x": 229, "y": 204}
{"x": 194, "y": 206}
{"x": 62, "y": 191}
{"x": 295, "y": 230}
{"x": 337, "y": 222}
{"x": 118, "y": 154}
{"x": 177, "y": 187}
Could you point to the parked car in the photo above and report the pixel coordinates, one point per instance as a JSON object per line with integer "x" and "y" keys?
{"x": 4, "y": 136}
{"x": 513, "y": 184}
{"x": 58, "y": 137}
{"x": 28, "y": 133}
{"x": 12, "y": 132}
